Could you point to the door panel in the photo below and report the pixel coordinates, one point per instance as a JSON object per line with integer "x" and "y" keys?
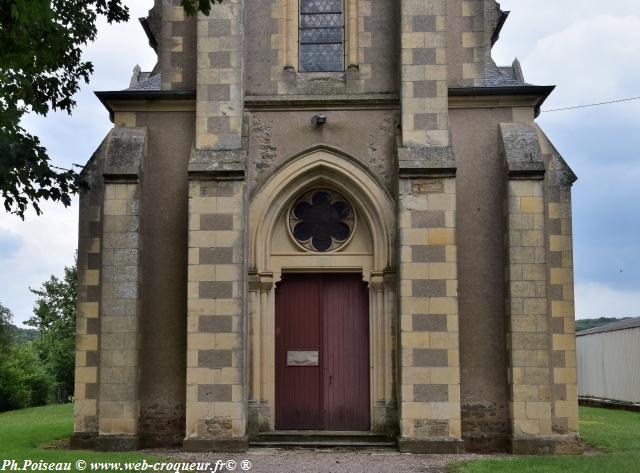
{"x": 330, "y": 314}
{"x": 345, "y": 354}
{"x": 297, "y": 328}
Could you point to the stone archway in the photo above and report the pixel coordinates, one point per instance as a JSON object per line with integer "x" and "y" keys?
{"x": 371, "y": 254}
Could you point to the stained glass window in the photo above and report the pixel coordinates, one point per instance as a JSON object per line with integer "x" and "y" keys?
{"x": 321, "y": 220}
{"x": 321, "y": 36}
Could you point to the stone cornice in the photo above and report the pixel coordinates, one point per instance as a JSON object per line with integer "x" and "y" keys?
{"x": 499, "y": 97}
{"x": 322, "y": 102}
{"x": 218, "y": 164}
{"x": 147, "y": 101}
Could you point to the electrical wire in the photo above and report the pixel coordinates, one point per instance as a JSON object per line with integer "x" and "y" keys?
{"x": 591, "y": 105}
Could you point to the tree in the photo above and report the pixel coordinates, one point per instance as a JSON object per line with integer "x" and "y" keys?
{"x": 25, "y": 381}
{"x": 41, "y": 69}
{"x": 55, "y": 319}
{"x": 6, "y": 332}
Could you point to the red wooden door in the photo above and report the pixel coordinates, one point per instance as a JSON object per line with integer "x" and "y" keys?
{"x": 327, "y": 315}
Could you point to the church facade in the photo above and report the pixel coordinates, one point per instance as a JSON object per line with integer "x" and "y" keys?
{"x": 327, "y": 216}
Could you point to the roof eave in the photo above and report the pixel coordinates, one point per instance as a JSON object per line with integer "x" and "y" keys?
{"x": 107, "y": 97}
{"x": 541, "y": 92}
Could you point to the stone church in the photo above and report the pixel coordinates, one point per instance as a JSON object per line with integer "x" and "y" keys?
{"x": 326, "y": 219}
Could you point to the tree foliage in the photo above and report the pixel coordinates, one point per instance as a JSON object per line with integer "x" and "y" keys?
{"x": 55, "y": 319}
{"x": 41, "y": 69}
{"x": 24, "y": 380}
{"x": 6, "y": 332}
{"x": 191, "y": 7}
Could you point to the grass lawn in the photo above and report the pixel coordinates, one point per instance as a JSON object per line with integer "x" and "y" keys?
{"x": 23, "y": 433}
{"x": 615, "y": 432}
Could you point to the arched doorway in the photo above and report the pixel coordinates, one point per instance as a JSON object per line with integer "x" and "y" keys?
{"x": 357, "y": 264}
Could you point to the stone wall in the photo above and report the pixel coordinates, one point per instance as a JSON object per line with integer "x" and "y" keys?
{"x": 481, "y": 288}
{"x": 430, "y": 419}
{"x": 564, "y": 392}
{"x": 177, "y": 47}
{"x": 541, "y": 325}
{"x": 216, "y": 410}
{"x": 88, "y": 309}
{"x": 164, "y": 277}
{"x": 366, "y": 136}
{"x": 120, "y": 335}
{"x": 423, "y": 83}
{"x": 219, "y": 107}
{"x": 527, "y": 339}
{"x": 107, "y": 407}
{"x": 370, "y": 50}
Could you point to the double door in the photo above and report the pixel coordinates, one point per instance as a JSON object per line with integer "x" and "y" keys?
{"x": 322, "y": 353}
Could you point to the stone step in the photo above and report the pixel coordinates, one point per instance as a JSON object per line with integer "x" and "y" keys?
{"x": 321, "y": 444}
{"x": 321, "y": 439}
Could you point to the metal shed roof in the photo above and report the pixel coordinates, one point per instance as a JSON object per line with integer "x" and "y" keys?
{"x": 612, "y": 327}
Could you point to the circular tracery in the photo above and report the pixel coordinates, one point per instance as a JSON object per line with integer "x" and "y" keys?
{"x": 321, "y": 220}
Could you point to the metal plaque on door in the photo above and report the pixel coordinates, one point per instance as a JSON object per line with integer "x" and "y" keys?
{"x": 302, "y": 358}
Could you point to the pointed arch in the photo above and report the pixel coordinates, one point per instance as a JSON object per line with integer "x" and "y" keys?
{"x": 322, "y": 167}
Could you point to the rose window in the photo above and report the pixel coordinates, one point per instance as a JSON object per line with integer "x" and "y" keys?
{"x": 321, "y": 220}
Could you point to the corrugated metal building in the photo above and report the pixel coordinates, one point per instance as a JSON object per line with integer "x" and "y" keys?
{"x": 609, "y": 361}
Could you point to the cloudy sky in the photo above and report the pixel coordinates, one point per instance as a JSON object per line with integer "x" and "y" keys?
{"x": 590, "y": 49}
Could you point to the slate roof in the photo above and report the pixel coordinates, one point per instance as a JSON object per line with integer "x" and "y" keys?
{"x": 503, "y": 76}
{"x": 146, "y": 81}
{"x": 612, "y": 327}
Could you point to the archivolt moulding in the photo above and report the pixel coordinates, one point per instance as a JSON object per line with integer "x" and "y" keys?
{"x": 321, "y": 167}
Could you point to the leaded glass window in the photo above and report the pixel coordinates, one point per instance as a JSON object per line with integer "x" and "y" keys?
{"x": 321, "y": 220}
{"x": 321, "y": 36}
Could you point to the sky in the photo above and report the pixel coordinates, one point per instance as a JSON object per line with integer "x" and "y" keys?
{"x": 590, "y": 49}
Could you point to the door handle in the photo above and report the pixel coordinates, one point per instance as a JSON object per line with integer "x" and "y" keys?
{"x": 330, "y": 380}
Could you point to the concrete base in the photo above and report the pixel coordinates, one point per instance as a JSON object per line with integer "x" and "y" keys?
{"x": 485, "y": 443}
{"x": 430, "y": 446}
{"x": 561, "y": 444}
{"x": 531, "y": 446}
{"x": 148, "y": 440}
{"x": 117, "y": 443}
{"x": 609, "y": 404}
{"x": 83, "y": 440}
{"x": 259, "y": 417}
{"x": 220, "y": 444}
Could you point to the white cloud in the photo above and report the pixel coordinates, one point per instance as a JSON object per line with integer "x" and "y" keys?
{"x": 590, "y": 57}
{"x": 590, "y": 61}
{"x": 531, "y": 20}
{"x": 48, "y": 244}
{"x": 118, "y": 48}
{"x": 595, "y": 300}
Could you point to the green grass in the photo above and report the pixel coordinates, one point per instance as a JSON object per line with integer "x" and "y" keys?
{"x": 24, "y": 433}
{"x": 617, "y": 433}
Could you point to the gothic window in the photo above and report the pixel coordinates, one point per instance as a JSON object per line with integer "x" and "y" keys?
{"x": 321, "y": 36}
{"x": 321, "y": 220}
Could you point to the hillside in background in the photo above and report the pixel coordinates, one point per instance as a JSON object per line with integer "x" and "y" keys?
{"x": 23, "y": 335}
{"x": 584, "y": 324}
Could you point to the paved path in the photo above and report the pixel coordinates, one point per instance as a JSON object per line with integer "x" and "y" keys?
{"x": 325, "y": 461}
